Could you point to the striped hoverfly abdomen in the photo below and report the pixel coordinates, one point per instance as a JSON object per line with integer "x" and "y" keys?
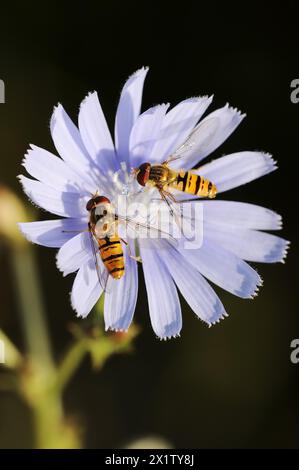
{"x": 112, "y": 255}
{"x": 194, "y": 184}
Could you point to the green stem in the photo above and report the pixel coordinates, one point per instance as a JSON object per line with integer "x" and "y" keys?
{"x": 70, "y": 363}
{"x": 38, "y": 390}
{"x": 48, "y": 419}
{"x": 42, "y": 383}
{"x": 31, "y": 307}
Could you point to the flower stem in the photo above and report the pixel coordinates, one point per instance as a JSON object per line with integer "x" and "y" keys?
{"x": 37, "y": 383}
{"x": 31, "y": 306}
{"x": 38, "y": 379}
{"x": 70, "y": 363}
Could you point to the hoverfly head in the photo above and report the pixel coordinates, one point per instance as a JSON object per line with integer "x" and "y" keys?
{"x": 95, "y": 201}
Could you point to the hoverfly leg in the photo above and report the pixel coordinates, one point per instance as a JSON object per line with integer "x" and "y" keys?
{"x": 135, "y": 258}
{"x": 170, "y": 195}
{"x": 171, "y": 158}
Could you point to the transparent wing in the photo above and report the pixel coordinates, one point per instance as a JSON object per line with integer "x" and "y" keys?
{"x": 174, "y": 208}
{"x": 183, "y": 218}
{"x": 164, "y": 224}
{"x": 195, "y": 138}
{"x": 145, "y": 228}
{"x": 102, "y": 276}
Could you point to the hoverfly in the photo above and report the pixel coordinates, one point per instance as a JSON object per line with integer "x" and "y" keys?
{"x": 105, "y": 239}
{"x": 162, "y": 177}
{"x": 102, "y": 227}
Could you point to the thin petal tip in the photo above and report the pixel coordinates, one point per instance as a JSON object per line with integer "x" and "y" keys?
{"x": 116, "y": 330}
{"x": 260, "y": 284}
{"x": 143, "y": 69}
{"x": 58, "y": 264}
{"x": 140, "y": 72}
{"x": 279, "y": 222}
{"x": 214, "y": 322}
{"x": 200, "y": 98}
{"x": 165, "y": 338}
{"x": 270, "y": 160}
{"x": 285, "y": 251}
{"x": 90, "y": 96}
{"x": 235, "y": 111}
{"x": 57, "y": 107}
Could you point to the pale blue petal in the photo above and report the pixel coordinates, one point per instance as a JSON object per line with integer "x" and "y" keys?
{"x": 224, "y": 269}
{"x": 86, "y": 289}
{"x": 74, "y": 253}
{"x": 208, "y": 135}
{"x": 52, "y": 233}
{"x": 194, "y": 288}
{"x": 69, "y": 145}
{"x": 178, "y": 123}
{"x": 51, "y": 170}
{"x": 65, "y": 204}
{"x": 240, "y": 214}
{"x": 145, "y": 132}
{"x": 250, "y": 245}
{"x": 163, "y": 300}
{"x": 127, "y": 112}
{"x": 121, "y": 296}
{"x": 96, "y": 135}
{"x": 237, "y": 169}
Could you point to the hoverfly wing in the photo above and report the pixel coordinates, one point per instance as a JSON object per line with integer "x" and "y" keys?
{"x": 145, "y": 228}
{"x": 175, "y": 210}
{"x": 196, "y": 140}
{"x": 102, "y": 276}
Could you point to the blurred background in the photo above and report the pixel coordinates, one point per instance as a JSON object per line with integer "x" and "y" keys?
{"x": 229, "y": 386}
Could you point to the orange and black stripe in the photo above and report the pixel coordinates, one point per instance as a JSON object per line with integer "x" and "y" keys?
{"x": 112, "y": 256}
{"x": 190, "y": 183}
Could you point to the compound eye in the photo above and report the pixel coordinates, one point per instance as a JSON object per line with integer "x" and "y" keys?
{"x": 143, "y": 174}
{"x": 90, "y": 204}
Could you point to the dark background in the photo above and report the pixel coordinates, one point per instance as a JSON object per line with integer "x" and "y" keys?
{"x": 229, "y": 386}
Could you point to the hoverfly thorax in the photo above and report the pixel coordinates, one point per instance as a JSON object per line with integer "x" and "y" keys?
{"x": 160, "y": 175}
